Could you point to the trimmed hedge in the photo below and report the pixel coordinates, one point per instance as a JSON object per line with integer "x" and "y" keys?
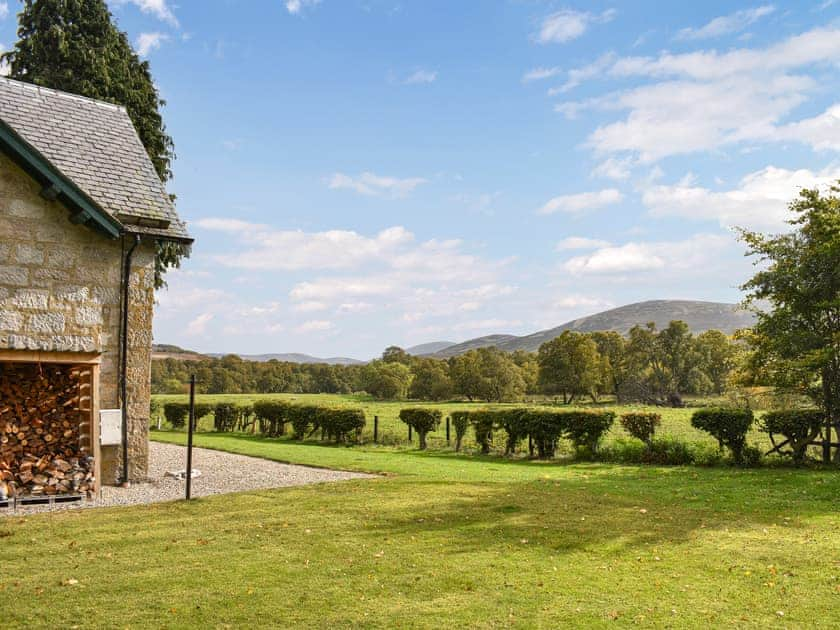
{"x": 461, "y": 421}
{"x": 799, "y": 427}
{"x": 177, "y": 413}
{"x": 422, "y": 421}
{"x": 271, "y": 415}
{"x": 728, "y": 426}
{"x": 584, "y": 428}
{"x": 641, "y": 425}
{"x": 546, "y": 428}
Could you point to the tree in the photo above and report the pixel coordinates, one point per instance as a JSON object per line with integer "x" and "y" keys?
{"x": 487, "y": 374}
{"x": 799, "y": 334}
{"x": 662, "y": 363}
{"x": 530, "y": 369}
{"x": 570, "y": 365}
{"x": 431, "y": 380}
{"x": 718, "y": 357}
{"x": 614, "y": 364}
{"x": 395, "y": 354}
{"x": 73, "y": 45}
{"x": 386, "y": 381}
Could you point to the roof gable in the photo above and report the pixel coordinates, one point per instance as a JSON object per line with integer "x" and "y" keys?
{"x": 95, "y": 151}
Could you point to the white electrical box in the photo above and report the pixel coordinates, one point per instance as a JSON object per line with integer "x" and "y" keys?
{"x": 110, "y": 427}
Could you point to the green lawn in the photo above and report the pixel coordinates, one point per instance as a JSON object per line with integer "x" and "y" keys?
{"x": 442, "y": 540}
{"x": 675, "y": 422}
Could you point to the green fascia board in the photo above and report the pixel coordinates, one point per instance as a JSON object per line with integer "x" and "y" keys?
{"x": 39, "y": 167}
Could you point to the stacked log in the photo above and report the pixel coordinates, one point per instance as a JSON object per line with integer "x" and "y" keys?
{"x": 42, "y": 449}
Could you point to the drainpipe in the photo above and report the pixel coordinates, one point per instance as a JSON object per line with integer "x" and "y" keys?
{"x": 124, "y": 357}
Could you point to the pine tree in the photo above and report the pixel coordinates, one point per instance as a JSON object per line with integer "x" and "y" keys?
{"x": 74, "y": 46}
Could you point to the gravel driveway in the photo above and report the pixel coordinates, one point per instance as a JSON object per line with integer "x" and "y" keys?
{"x": 221, "y": 473}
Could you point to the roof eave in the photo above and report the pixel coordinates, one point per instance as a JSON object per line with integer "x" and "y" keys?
{"x": 56, "y": 185}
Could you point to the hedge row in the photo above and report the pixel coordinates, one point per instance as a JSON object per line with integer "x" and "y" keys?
{"x": 270, "y": 418}
{"x": 584, "y": 429}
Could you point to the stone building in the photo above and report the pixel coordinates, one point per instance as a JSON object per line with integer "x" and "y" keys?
{"x": 82, "y": 210}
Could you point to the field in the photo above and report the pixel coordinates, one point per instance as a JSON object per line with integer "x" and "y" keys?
{"x": 441, "y": 539}
{"x": 675, "y": 422}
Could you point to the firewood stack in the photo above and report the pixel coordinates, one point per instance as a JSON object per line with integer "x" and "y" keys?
{"x": 43, "y": 450}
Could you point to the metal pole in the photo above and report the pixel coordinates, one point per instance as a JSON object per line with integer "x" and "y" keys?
{"x": 409, "y": 433}
{"x": 191, "y": 424}
{"x": 375, "y": 429}
{"x": 447, "y": 430}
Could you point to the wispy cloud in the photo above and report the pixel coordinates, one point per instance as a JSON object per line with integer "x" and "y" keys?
{"x": 726, "y": 24}
{"x": 566, "y": 25}
{"x": 581, "y": 242}
{"x": 420, "y": 77}
{"x": 538, "y": 74}
{"x": 581, "y": 202}
{"x": 4, "y": 10}
{"x": 147, "y": 42}
{"x": 296, "y": 7}
{"x": 158, "y": 8}
{"x": 368, "y": 183}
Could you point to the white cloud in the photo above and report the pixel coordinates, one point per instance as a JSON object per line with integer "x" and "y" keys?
{"x": 538, "y": 74}
{"x": 147, "y": 42}
{"x": 613, "y": 168}
{"x": 198, "y": 326}
{"x": 339, "y": 288}
{"x": 566, "y": 25}
{"x": 820, "y": 45}
{"x": 678, "y": 117}
{"x": 421, "y": 76}
{"x": 581, "y": 201}
{"x": 726, "y": 24}
{"x": 4, "y": 10}
{"x": 315, "y": 325}
{"x": 581, "y": 242}
{"x": 637, "y": 257}
{"x": 822, "y": 132}
{"x": 576, "y": 76}
{"x": 294, "y": 249}
{"x": 577, "y": 301}
{"x": 159, "y": 8}
{"x": 706, "y": 100}
{"x": 296, "y": 7}
{"x": 759, "y": 202}
{"x": 376, "y": 185}
{"x": 310, "y": 307}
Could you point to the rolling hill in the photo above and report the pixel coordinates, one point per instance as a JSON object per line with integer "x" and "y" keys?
{"x": 699, "y": 316}
{"x": 429, "y": 348}
{"x": 295, "y": 357}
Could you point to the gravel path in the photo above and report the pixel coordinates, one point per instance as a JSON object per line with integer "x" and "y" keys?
{"x": 221, "y": 473}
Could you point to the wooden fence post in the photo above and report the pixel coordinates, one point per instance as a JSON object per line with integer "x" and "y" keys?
{"x": 375, "y": 429}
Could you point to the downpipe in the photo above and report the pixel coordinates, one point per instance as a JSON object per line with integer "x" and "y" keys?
{"x": 126, "y": 280}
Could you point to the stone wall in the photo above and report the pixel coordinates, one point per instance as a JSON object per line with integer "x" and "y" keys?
{"x": 60, "y": 291}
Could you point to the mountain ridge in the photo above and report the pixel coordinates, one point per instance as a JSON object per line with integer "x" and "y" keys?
{"x": 699, "y": 315}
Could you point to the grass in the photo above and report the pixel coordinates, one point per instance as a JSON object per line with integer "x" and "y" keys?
{"x": 462, "y": 541}
{"x": 676, "y": 423}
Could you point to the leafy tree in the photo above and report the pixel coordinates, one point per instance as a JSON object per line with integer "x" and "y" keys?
{"x": 663, "y": 362}
{"x": 529, "y": 368}
{"x": 615, "y": 367}
{"x": 487, "y": 374}
{"x": 431, "y": 380}
{"x": 395, "y": 354}
{"x": 798, "y": 336}
{"x": 386, "y": 381}
{"x": 73, "y": 45}
{"x": 464, "y": 370}
{"x": 718, "y": 357}
{"x": 570, "y": 365}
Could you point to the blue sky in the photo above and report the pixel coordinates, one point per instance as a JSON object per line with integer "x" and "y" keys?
{"x": 360, "y": 173}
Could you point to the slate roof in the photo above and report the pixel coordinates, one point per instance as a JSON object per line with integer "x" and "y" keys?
{"x": 94, "y": 145}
